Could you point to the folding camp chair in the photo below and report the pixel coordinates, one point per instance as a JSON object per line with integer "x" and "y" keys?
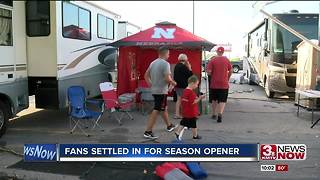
{"x": 78, "y": 112}
{"x": 112, "y": 103}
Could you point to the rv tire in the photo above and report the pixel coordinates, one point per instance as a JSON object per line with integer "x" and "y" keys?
{"x": 4, "y": 118}
{"x": 270, "y": 94}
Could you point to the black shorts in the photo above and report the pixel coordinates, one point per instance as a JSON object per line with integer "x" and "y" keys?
{"x": 219, "y": 95}
{"x": 160, "y": 102}
{"x": 189, "y": 122}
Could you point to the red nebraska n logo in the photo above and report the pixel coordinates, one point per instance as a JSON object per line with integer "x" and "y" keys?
{"x": 167, "y": 34}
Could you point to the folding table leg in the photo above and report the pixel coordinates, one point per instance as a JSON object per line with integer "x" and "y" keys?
{"x": 315, "y": 123}
{"x": 312, "y": 110}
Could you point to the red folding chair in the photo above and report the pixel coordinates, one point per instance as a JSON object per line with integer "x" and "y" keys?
{"x": 112, "y": 103}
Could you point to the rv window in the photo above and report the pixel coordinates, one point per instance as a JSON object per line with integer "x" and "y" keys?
{"x": 6, "y": 2}
{"x": 38, "y": 18}
{"x": 105, "y": 27}
{"x": 110, "y": 28}
{"x": 286, "y": 42}
{"x": 102, "y": 26}
{"x": 5, "y": 27}
{"x": 76, "y": 22}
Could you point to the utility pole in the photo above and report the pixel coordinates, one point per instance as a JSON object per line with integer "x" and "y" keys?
{"x": 192, "y": 16}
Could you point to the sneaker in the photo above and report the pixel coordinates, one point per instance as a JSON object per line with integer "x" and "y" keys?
{"x": 149, "y": 135}
{"x": 171, "y": 127}
{"x": 219, "y": 119}
{"x": 196, "y": 137}
{"x": 213, "y": 116}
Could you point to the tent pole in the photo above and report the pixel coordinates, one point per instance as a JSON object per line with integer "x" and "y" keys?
{"x": 206, "y": 109}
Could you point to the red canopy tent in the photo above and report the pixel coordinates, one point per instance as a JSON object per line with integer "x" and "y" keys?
{"x": 137, "y": 51}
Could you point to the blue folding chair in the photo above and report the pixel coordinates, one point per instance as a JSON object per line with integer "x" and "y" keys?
{"x": 78, "y": 112}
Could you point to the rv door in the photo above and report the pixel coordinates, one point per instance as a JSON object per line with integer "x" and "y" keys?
{"x": 7, "y": 59}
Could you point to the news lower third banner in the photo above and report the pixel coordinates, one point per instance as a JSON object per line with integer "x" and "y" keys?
{"x": 141, "y": 152}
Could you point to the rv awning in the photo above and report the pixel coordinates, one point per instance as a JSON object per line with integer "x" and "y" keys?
{"x": 165, "y": 34}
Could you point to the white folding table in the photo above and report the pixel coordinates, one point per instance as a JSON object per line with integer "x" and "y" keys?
{"x": 312, "y": 95}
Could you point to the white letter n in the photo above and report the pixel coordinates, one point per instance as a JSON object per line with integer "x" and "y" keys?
{"x": 168, "y": 33}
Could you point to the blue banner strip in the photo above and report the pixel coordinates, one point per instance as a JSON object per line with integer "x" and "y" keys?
{"x": 158, "y": 150}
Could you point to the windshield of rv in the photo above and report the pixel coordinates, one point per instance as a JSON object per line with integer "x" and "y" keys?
{"x": 286, "y": 42}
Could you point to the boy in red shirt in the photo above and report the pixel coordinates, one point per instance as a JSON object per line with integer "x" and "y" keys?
{"x": 189, "y": 107}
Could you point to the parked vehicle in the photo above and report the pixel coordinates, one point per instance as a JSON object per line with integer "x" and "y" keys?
{"x": 66, "y": 45}
{"x": 13, "y": 62}
{"x": 237, "y": 66}
{"x": 272, "y": 51}
{"x": 47, "y": 46}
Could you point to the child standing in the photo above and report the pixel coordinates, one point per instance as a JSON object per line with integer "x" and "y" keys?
{"x": 189, "y": 105}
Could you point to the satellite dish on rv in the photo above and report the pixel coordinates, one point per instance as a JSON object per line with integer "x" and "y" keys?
{"x": 108, "y": 57}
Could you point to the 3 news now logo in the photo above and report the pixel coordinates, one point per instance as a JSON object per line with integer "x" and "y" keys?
{"x": 283, "y": 151}
{"x": 40, "y": 152}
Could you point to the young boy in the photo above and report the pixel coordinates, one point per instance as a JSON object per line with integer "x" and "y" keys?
{"x": 189, "y": 105}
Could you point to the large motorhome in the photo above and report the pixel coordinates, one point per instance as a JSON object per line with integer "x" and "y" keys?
{"x": 47, "y": 46}
{"x": 272, "y": 51}
{"x": 66, "y": 46}
{"x": 13, "y": 62}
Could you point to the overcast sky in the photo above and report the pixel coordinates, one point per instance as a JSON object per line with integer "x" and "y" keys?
{"x": 216, "y": 21}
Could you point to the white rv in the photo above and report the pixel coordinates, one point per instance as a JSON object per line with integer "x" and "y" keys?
{"x": 66, "y": 46}
{"x": 126, "y": 29}
{"x": 48, "y": 46}
{"x": 272, "y": 51}
{"x": 13, "y": 68}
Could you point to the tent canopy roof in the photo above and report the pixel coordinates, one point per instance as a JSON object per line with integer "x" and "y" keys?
{"x": 164, "y": 34}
